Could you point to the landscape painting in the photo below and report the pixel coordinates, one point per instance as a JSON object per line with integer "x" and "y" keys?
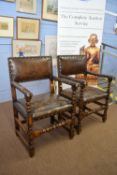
{"x": 26, "y": 6}
{"x": 22, "y": 48}
{"x": 6, "y": 26}
{"x": 50, "y": 10}
{"x": 28, "y": 28}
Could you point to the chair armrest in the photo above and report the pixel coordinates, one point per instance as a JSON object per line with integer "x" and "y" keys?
{"x": 22, "y": 89}
{"x": 110, "y": 78}
{"x": 81, "y": 82}
{"x": 66, "y": 81}
{"x": 74, "y": 87}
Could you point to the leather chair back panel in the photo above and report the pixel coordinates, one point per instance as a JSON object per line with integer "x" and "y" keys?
{"x": 27, "y": 69}
{"x": 69, "y": 65}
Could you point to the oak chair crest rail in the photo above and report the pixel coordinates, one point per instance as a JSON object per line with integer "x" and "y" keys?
{"x": 33, "y": 108}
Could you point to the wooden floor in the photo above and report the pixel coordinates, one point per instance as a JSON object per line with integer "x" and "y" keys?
{"x": 93, "y": 152}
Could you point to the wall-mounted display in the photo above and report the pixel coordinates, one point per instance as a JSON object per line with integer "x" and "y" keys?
{"x": 10, "y": 0}
{"x": 23, "y": 48}
{"x": 50, "y": 10}
{"x": 28, "y": 28}
{"x": 51, "y": 46}
{"x": 6, "y": 26}
{"x": 26, "y": 6}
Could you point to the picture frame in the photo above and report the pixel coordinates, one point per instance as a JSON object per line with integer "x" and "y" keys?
{"x": 10, "y": 0}
{"x": 50, "y": 10}
{"x": 28, "y": 28}
{"x": 26, "y": 6}
{"x": 51, "y": 45}
{"x": 6, "y": 26}
{"x": 22, "y": 48}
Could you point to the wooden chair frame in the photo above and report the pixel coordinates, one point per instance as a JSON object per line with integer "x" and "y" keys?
{"x": 24, "y": 124}
{"x": 76, "y": 64}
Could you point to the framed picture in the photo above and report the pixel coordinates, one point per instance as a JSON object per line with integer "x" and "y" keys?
{"x": 6, "y": 26}
{"x": 28, "y": 28}
{"x": 27, "y": 6}
{"x": 51, "y": 46}
{"x": 50, "y": 10}
{"x": 10, "y": 0}
{"x": 22, "y": 48}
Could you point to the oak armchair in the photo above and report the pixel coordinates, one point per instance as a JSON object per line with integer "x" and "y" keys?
{"x": 33, "y": 108}
{"x": 90, "y": 99}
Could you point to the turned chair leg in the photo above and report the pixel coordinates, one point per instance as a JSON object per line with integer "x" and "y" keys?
{"x": 30, "y": 137}
{"x": 72, "y": 128}
{"x": 104, "y": 118}
{"x": 31, "y": 152}
{"x": 78, "y": 127}
{"x": 79, "y": 118}
{"x": 30, "y": 145}
{"x": 72, "y": 131}
{"x": 52, "y": 119}
{"x": 16, "y": 118}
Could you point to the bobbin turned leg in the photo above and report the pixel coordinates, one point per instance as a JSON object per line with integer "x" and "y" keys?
{"x": 17, "y": 128}
{"x": 30, "y": 137}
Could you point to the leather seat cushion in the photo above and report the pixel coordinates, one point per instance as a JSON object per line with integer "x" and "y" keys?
{"x": 43, "y": 104}
{"x": 90, "y": 94}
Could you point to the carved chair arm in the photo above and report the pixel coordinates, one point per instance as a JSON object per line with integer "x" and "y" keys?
{"x": 109, "y": 77}
{"x": 26, "y": 92}
{"x": 80, "y": 82}
{"x": 74, "y": 85}
{"x": 66, "y": 81}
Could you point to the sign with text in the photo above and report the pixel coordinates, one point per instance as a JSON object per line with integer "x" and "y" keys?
{"x": 77, "y": 21}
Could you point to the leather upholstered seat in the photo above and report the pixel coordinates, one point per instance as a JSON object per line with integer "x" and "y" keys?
{"x": 43, "y": 105}
{"x": 90, "y": 94}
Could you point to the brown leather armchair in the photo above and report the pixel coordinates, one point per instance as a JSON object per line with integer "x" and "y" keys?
{"x": 86, "y": 95}
{"x": 31, "y": 108}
